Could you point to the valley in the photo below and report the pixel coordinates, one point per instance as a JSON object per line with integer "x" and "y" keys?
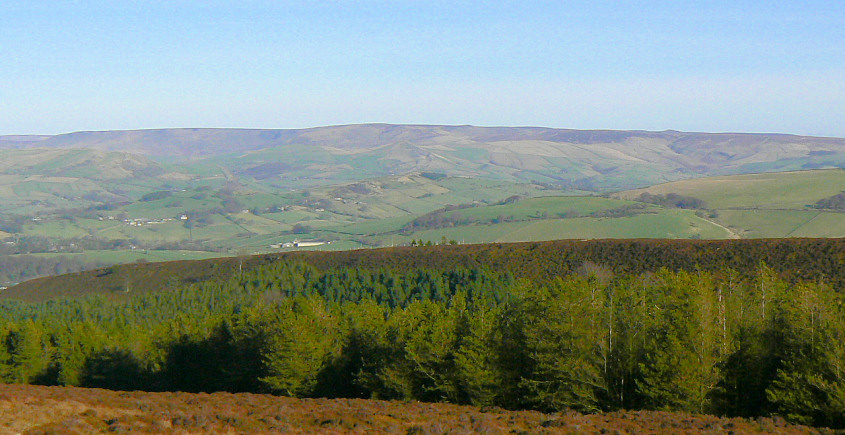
{"x": 71, "y": 201}
{"x": 422, "y": 217}
{"x": 505, "y": 268}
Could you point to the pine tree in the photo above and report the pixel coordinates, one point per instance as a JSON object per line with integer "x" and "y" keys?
{"x": 303, "y": 339}
{"x": 25, "y": 353}
{"x": 679, "y": 369}
{"x": 560, "y": 340}
{"x": 809, "y": 387}
{"x": 477, "y": 362}
{"x": 426, "y": 334}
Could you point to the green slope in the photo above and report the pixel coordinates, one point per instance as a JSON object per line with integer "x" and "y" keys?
{"x": 778, "y": 190}
{"x": 765, "y": 205}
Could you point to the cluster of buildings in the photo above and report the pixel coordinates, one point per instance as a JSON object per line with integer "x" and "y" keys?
{"x": 297, "y": 244}
{"x": 139, "y": 222}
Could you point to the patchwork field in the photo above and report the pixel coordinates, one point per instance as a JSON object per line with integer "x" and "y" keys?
{"x": 211, "y": 216}
{"x": 778, "y": 190}
{"x": 780, "y": 204}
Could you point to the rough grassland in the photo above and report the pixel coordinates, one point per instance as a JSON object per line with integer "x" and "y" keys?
{"x": 50, "y": 410}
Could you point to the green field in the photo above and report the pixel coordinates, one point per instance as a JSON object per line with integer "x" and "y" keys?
{"x": 672, "y": 224}
{"x": 779, "y": 190}
{"x": 784, "y": 223}
{"x": 134, "y": 255}
{"x": 350, "y": 215}
{"x": 378, "y": 213}
{"x": 393, "y": 211}
{"x": 765, "y": 205}
{"x": 545, "y": 206}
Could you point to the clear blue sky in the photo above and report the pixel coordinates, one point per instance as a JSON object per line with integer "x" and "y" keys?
{"x": 755, "y": 66}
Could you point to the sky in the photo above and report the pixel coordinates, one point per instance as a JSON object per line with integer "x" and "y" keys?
{"x": 714, "y": 66}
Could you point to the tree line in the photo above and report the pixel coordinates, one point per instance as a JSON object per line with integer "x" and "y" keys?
{"x": 687, "y": 340}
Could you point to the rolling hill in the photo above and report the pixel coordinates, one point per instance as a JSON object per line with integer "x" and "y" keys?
{"x": 415, "y": 209}
{"x": 783, "y": 204}
{"x": 201, "y": 193}
{"x": 597, "y": 159}
{"x": 38, "y": 180}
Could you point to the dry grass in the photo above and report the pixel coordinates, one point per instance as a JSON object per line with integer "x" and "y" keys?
{"x": 62, "y": 410}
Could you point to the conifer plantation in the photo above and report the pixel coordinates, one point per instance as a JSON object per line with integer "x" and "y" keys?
{"x": 726, "y": 338}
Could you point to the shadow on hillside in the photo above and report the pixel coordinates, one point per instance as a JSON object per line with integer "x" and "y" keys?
{"x": 114, "y": 369}
{"x": 219, "y": 362}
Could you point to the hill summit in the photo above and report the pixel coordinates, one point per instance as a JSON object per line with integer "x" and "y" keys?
{"x": 603, "y": 159}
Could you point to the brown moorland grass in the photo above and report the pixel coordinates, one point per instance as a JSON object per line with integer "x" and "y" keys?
{"x": 68, "y": 410}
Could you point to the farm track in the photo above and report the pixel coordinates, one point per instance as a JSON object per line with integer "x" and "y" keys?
{"x": 731, "y": 233}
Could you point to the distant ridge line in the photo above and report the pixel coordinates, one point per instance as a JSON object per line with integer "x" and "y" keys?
{"x": 35, "y": 137}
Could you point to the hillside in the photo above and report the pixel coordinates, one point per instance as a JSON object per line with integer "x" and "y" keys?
{"x": 716, "y": 327}
{"x": 79, "y": 163}
{"x": 599, "y": 159}
{"x": 68, "y": 201}
{"x": 37, "y": 180}
{"x": 806, "y": 259}
{"x": 231, "y": 218}
{"x": 783, "y": 204}
{"x": 41, "y": 410}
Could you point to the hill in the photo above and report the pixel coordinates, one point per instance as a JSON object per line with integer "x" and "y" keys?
{"x": 783, "y": 204}
{"x": 805, "y": 259}
{"x": 600, "y": 159}
{"x": 33, "y": 181}
{"x": 693, "y": 326}
{"x": 41, "y": 410}
{"x": 67, "y": 201}
{"x": 233, "y": 218}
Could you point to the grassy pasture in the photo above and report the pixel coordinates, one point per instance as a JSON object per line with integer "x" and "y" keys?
{"x": 783, "y": 190}
{"x": 291, "y": 217}
{"x": 372, "y": 227}
{"x": 134, "y": 255}
{"x": 826, "y": 224}
{"x": 373, "y": 213}
{"x": 51, "y": 228}
{"x": 671, "y": 224}
{"x": 766, "y": 205}
{"x": 552, "y": 206}
{"x": 784, "y": 223}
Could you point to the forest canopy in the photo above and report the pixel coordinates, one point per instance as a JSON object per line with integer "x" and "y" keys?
{"x": 593, "y": 339}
